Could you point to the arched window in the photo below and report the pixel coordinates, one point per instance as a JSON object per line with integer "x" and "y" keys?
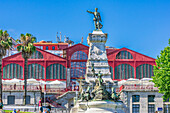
{"x": 111, "y": 71}
{"x": 36, "y": 55}
{"x": 79, "y": 55}
{"x": 11, "y": 71}
{"x": 124, "y": 55}
{"x": 46, "y": 48}
{"x": 53, "y": 48}
{"x": 78, "y": 69}
{"x": 56, "y": 71}
{"x": 144, "y": 71}
{"x": 124, "y": 71}
{"x": 36, "y": 71}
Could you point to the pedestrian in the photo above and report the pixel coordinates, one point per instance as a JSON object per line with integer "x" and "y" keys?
{"x": 1, "y": 106}
{"x": 14, "y": 86}
{"x": 48, "y": 108}
{"x": 44, "y": 111}
{"x": 18, "y": 111}
{"x": 35, "y": 107}
{"x": 14, "y": 111}
{"x": 40, "y": 106}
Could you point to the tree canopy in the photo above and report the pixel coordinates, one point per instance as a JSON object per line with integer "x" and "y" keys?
{"x": 5, "y": 42}
{"x": 26, "y": 45}
{"x": 161, "y": 71}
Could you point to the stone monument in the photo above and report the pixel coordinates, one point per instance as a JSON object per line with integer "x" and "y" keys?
{"x": 97, "y": 92}
{"x": 97, "y": 52}
{"x": 98, "y": 99}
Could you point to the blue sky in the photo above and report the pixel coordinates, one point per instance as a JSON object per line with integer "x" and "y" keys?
{"x": 140, "y": 25}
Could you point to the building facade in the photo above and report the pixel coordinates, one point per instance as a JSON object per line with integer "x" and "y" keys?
{"x": 140, "y": 96}
{"x": 70, "y": 64}
{"x": 42, "y": 65}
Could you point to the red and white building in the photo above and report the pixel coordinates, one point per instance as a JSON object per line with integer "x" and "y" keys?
{"x": 58, "y": 61}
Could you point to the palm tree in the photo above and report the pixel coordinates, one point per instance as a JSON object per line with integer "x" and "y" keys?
{"x": 5, "y": 44}
{"x": 27, "y": 48}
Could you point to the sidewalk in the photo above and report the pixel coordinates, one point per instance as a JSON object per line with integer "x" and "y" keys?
{"x": 31, "y": 108}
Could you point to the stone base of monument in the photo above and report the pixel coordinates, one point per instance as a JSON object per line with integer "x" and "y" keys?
{"x": 99, "y": 107}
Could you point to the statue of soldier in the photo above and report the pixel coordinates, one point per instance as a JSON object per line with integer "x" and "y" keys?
{"x": 82, "y": 97}
{"x": 87, "y": 94}
{"x": 96, "y": 19}
{"x": 114, "y": 95}
{"x": 100, "y": 80}
{"x": 99, "y": 76}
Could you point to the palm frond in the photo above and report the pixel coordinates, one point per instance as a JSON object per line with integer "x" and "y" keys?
{"x": 26, "y": 45}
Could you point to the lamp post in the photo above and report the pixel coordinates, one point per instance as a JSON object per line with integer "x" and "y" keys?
{"x": 20, "y": 84}
{"x": 44, "y": 92}
{"x": 44, "y": 96}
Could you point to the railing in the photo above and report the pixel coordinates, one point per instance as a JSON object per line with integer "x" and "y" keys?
{"x": 53, "y": 102}
{"x": 55, "y": 90}
{"x": 21, "y": 88}
{"x": 52, "y": 99}
{"x": 34, "y": 88}
{"x": 138, "y": 87}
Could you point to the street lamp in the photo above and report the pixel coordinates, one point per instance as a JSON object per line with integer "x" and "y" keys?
{"x": 44, "y": 92}
{"x": 44, "y": 96}
{"x": 20, "y": 84}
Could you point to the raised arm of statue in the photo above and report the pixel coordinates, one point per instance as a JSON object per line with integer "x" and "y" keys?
{"x": 90, "y": 12}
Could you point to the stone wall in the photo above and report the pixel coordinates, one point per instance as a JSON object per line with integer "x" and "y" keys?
{"x": 34, "y": 97}
{"x": 143, "y": 102}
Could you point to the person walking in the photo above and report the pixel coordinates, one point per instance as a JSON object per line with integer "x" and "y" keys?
{"x": 18, "y": 111}
{"x": 14, "y": 111}
{"x": 40, "y": 106}
{"x": 48, "y": 108}
{"x": 1, "y": 106}
{"x": 35, "y": 108}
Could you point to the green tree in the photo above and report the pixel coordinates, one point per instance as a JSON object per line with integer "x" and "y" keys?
{"x": 161, "y": 71}
{"x": 5, "y": 44}
{"x": 27, "y": 48}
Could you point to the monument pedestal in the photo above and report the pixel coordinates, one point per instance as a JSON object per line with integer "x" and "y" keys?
{"x": 99, "y": 107}
{"x": 97, "y": 56}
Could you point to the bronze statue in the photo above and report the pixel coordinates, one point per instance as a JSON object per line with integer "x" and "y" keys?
{"x": 114, "y": 95}
{"x": 99, "y": 76}
{"x": 99, "y": 92}
{"x": 100, "y": 80}
{"x": 87, "y": 94}
{"x": 96, "y": 19}
{"x": 82, "y": 97}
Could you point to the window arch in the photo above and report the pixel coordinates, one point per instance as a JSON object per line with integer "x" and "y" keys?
{"x": 36, "y": 55}
{"x": 124, "y": 55}
{"x": 56, "y": 71}
{"x": 12, "y": 70}
{"x": 46, "y": 48}
{"x": 36, "y": 71}
{"x": 53, "y": 48}
{"x": 144, "y": 71}
{"x": 124, "y": 71}
{"x": 79, "y": 55}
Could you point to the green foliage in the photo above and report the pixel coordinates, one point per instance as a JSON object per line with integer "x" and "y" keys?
{"x": 161, "y": 71}
{"x": 26, "y": 45}
{"x": 5, "y": 42}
